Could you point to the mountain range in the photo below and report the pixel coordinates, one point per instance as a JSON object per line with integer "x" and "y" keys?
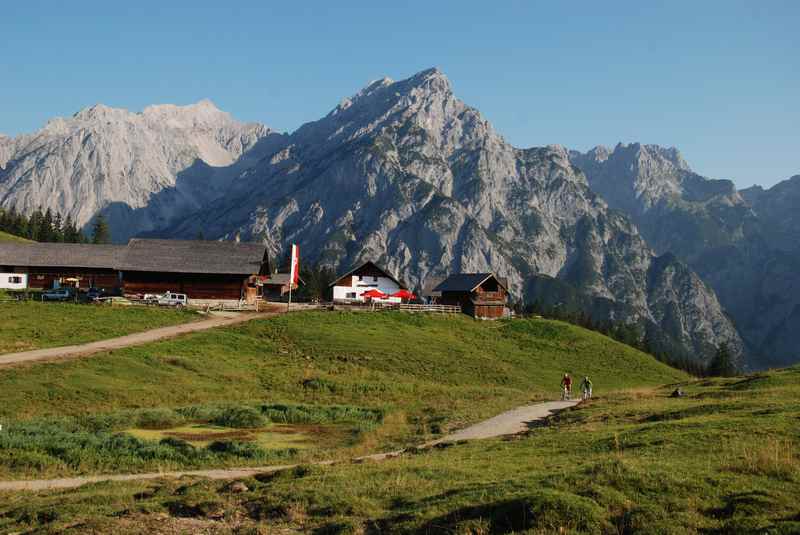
{"x": 406, "y": 174}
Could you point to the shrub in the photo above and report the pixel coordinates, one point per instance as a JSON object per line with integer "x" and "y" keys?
{"x": 158, "y": 419}
{"x": 247, "y": 450}
{"x": 240, "y": 417}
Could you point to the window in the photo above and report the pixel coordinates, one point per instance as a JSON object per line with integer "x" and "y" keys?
{"x": 374, "y": 279}
{"x": 351, "y": 295}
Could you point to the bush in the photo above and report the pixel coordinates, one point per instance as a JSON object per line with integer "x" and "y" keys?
{"x": 158, "y": 419}
{"x": 240, "y": 417}
{"x": 247, "y": 450}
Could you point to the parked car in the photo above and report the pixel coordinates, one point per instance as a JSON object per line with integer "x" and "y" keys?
{"x": 93, "y": 294}
{"x": 58, "y": 294}
{"x": 172, "y": 299}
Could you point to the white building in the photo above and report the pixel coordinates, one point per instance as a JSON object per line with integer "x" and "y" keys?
{"x": 350, "y": 287}
{"x": 13, "y": 281}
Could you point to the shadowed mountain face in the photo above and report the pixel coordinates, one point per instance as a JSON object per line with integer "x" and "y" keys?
{"x": 141, "y": 169}
{"x": 406, "y": 174}
{"x": 743, "y": 244}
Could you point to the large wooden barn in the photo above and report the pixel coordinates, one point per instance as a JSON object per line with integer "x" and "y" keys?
{"x": 211, "y": 270}
{"x": 71, "y": 264}
{"x": 203, "y": 270}
{"x": 480, "y": 295}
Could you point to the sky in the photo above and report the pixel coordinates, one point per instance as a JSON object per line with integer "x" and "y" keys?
{"x": 719, "y": 80}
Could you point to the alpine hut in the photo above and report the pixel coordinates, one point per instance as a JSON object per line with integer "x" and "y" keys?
{"x": 480, "y": 295}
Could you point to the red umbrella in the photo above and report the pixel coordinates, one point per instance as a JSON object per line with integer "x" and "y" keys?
{"x": 404, "y": 294}
{"x": 374, "y": 294}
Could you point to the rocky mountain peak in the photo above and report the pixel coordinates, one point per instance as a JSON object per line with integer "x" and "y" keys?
{"x": 141, "y": 169}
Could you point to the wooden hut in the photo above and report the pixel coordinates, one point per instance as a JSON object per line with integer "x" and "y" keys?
{"x": 480, "y": 295}
{"x": 203, "y": 270}
{"x": 63, "y": 264}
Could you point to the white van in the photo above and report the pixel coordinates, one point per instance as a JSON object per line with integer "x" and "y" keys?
{"x": 172, "y": 299}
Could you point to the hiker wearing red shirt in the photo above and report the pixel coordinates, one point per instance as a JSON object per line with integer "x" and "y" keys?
{"x": 566, "y": 385}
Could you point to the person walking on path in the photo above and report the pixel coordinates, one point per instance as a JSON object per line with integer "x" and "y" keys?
{"x": 566, "y": 385}
{"x": 586, "y": 387}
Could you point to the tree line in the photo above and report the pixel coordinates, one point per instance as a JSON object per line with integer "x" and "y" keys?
{"x": 47, "y": 227}
{"x": 648, "y": 340}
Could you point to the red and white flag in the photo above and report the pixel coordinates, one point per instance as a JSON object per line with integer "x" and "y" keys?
{"x": 294, "y": 270}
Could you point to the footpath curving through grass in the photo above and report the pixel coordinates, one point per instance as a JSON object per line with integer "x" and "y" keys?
{"x": 32, "y": 325}
{"x": 425, "y": 375}
{"x": 722, "y": 460}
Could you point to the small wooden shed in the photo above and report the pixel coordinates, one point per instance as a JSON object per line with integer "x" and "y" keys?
{"x": 480, "y": 295}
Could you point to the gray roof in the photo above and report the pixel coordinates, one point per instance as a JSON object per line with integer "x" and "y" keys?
{"x": 193, "y": 256}
{"x": 466, "y": 282}
{"x": 79, "y": 255}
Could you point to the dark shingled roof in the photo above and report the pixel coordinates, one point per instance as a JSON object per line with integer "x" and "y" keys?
{"x": 79, "y": 255}
{"x": 376, "y": 266}
{"x": 192, "y": 256}
{"x": 466, "y": 282}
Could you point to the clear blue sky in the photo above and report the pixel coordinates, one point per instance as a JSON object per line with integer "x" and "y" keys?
{"x": 719, "y": 80}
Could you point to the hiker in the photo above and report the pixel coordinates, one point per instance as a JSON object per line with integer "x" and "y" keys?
{"x": 586, "y": 387}
{"x": 566, "y": 384}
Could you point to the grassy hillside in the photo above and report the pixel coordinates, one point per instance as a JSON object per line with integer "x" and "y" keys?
{"x": 6, "y": 237}
{"x": 423, "y": 374}
{"x": 722, "y": 460}
{"x": 32, "y": 325}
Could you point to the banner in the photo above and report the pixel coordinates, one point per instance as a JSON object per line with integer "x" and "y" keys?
{"x": 294, "y": 270}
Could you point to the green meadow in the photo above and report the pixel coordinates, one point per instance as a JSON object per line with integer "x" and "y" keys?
{"x": 32, "y": 325}
{"x": 721, "y": 460}
{"x": 332, "y": 385}
{"x": 424, "y": 375}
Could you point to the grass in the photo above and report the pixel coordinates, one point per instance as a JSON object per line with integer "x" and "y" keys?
{"x": 31, "y": 325}
{"x": 202, "y": 435}
{"x": 423, "y": 375}
{"x": 721, "y": 460}
{"x": 169, "y": 439}
{"x": 6, "y": 237}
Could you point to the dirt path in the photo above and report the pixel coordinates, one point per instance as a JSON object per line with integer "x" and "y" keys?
{"x": 508, "y": 423}
{"x": 218, "y": 319}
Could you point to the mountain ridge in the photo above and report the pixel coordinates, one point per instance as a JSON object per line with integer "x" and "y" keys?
{"x": 405, "y": 173}
{"x": 743, "y": 244}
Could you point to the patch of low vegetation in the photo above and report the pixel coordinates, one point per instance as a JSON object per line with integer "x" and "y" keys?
{"x": 720, "y": 460}
{"x": 182, "y": 438}
{"x": 29, "y": 325}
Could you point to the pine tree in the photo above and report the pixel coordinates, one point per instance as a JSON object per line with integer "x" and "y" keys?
{"x": 100, "y": 232}
{"x": 722, "y": 365}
